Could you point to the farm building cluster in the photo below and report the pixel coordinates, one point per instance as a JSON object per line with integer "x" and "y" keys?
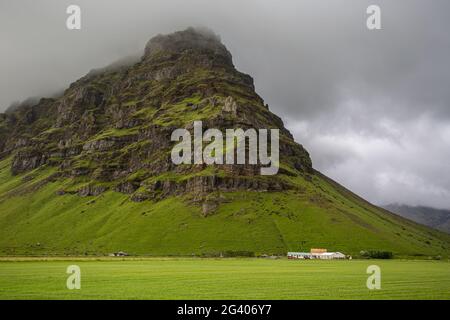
{"x": 316, "y": 254}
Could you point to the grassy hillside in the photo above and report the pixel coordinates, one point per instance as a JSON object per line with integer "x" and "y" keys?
{"x": 189, "y": 278}
{"x": 36, "y": 220}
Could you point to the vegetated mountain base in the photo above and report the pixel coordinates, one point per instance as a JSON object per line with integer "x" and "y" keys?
{"x": 90, "y": 172}
{"x": 244, "y": 278}
{"x": 35, "y": 220}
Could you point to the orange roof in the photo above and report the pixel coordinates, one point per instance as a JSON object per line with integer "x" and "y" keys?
{"x": 318, "y": 250}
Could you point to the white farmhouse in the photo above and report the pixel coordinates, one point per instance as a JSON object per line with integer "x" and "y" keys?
{"x": 316, "y": 254}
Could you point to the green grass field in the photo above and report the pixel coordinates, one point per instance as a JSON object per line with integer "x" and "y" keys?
{"x": 184, "y": 278}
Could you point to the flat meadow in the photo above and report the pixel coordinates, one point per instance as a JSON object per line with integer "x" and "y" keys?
{"x": 225, "y": 278}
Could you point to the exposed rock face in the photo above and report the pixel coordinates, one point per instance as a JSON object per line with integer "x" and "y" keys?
{"x": 208, "y": 208}
{"x": 91, "y": 190}
{"x": 114, "y": 126}
{"x": 27, "y": 160}
{"x": 202, "y": 41}
{"x": 126, "y": 187}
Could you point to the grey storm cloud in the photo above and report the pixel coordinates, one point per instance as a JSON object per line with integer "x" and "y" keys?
{"x": 372, "y": 107}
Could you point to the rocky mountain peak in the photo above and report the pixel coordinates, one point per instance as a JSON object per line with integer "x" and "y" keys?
{"x": 192, "y": 40}
{"x": 111, "y": 130}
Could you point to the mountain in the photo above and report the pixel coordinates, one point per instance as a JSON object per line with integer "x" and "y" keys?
{"x": 435, "y": 218}
{"x": 90, "y": 171}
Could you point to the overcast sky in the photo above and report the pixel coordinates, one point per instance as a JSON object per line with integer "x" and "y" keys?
{"x": 372, "y": 107}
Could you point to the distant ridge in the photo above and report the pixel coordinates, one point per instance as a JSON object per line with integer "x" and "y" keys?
{"x": 435, "y": 218}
